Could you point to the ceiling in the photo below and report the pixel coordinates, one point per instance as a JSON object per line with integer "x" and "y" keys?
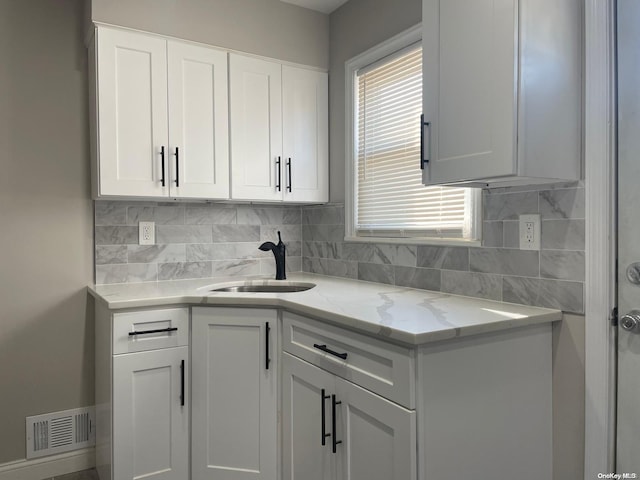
{"x": 324, "y": 6}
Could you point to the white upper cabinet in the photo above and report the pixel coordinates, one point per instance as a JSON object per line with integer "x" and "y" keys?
{"x": 170, "y": 116}
{"x": 162, "y": 117}
{"x": 305, "y": 96}
{"x": 279, "y": 131}
{"x": 131, "y": 113}
{"x": 198, "y": 121}
{"x": 256, "y": 128}
{"x": 502, "y": 91}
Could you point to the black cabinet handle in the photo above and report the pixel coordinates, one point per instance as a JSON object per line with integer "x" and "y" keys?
{"x": 279, "y": 184}
{"x": 324, "y": 348}
{"x": 323, "y": 398}
{"x": 422, "y": 138}
{"x": 162, "y": 182}
{"x": 267, "y": 359}
{"x": 333, "y": 422}
{"x": 182, "y": 383}
{"x": 289, "y": 168}
{"x": 177, "y": 154}
{"x": 160, "y": 330}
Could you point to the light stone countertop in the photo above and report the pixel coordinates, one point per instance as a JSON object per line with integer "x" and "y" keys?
{"x": 389, "y": 312}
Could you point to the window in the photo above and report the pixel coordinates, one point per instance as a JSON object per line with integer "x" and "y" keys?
{"x": 387, "y": 197}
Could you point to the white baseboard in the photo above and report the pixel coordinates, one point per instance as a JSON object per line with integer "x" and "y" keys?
{"x": 47, "y": 467}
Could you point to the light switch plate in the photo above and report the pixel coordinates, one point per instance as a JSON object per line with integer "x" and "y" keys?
{"x": 530, "y": 232}
{"x": 147, "y": 233}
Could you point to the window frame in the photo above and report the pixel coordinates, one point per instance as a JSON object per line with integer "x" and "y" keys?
{"x": 375, "y": 54}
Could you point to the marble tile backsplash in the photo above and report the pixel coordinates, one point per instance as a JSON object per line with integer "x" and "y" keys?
{"x": 498, "y": 270}
{"x": 192, "y": 240}
{"x": 205, "y": 240}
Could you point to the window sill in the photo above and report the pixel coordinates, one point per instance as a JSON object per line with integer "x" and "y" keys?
{"x": 453, "y": 242}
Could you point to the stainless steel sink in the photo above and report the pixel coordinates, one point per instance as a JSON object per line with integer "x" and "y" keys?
{"x": 263, "y": 286}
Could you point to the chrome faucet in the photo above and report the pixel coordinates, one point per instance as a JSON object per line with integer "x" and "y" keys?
{"x": 279, "y": 254}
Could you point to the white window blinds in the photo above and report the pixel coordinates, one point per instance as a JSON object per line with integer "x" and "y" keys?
{"x": 391, "y": 199}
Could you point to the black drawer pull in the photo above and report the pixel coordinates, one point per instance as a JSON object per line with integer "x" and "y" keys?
{"x": 279, "y": 184}
{"x": 423, "y": 149}
{"x": 162, "y": 156}
{"x": 323, "y": 398}
{"x": 182, "y": 383}
{"x": 334, "y": 403}
{"x": 161, "y": 330}
{"x": 324, "y": 348}
{"x": 177, "y": 154}
{"x": 266, "y": 346}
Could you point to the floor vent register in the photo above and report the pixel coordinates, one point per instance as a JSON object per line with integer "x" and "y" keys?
{"x": 60, "y": 432}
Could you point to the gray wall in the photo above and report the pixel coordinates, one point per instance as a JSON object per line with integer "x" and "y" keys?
{"x": 355, "y": 27}
{"x": 263, "y": 27}
{"x": 46, "y": 335}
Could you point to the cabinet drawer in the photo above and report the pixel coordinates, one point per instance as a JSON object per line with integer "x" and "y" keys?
{"x": 150, "y": 330}
{"x": 384, "y": 368}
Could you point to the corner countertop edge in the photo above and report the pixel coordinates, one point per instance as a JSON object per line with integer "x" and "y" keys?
{"x": 397, "y": 314}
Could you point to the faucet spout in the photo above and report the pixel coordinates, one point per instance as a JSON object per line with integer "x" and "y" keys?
{"x": 279, "y": 253}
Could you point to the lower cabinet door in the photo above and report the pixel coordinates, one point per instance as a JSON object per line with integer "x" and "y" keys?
{"x": 307, "y": 430}
{"x": 234, "y": 396}
{"x": 378, "y": 437}
{"x": 151, "y": 415}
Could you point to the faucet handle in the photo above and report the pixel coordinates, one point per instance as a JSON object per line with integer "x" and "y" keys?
{"x": 279, "y": 237}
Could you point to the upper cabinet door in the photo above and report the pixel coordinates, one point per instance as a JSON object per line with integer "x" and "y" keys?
{"x": 198, "y": 121}
{"x": 256, "y": 129}
{"x": 469, "y": 90}
{"x": 132, "y": 113}
{"x": 305, "y": 100}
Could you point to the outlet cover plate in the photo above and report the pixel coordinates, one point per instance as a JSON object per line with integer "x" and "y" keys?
{"x": 530, "y": 232}
{"x": 147, "y": 233}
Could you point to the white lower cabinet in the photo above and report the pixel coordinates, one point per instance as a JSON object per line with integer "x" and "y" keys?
{"x": 142, "y": 394}
{"x": 234, "y": 394}
{"x": 307, "y": 431}
{"x": 378, "y": 437}
{"x": 151, "y": 415}
{"x": 353, "y": 407}
{"x": 334, "y": 429}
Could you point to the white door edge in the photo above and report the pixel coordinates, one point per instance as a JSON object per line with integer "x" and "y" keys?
{"x": 600, "y": 232}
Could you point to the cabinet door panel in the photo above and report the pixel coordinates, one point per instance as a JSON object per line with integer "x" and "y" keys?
{"x": 149, "y": 423}
{"x": 469, "y": 58}
{"x": 198, "y": 125}
{"x": 305, "y": 134}
{"x": 132, "y": 116}
{"x": 256, "y": 128}
{"x": 304, "y": 456}
{"x": 369, "y": 423}
{"x": 234, "y": 395}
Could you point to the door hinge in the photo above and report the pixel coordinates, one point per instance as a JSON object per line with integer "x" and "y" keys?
{"x": 614, "y": 317}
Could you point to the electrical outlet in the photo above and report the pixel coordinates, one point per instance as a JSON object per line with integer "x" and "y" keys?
{"x": 146, "y": 233}
{"x": 529, "y": 232}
